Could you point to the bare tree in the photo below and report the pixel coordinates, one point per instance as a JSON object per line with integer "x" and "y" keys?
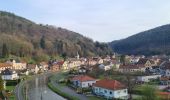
{"x": 131, "y": 82}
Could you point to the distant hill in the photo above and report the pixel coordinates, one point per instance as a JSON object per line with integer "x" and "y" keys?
{"x": 150, "y": 42}
{"x": 26, "y": 38}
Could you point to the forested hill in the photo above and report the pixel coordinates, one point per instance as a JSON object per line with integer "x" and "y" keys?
{"x": 26, "y": 38}
{"x": 150, "y": 42}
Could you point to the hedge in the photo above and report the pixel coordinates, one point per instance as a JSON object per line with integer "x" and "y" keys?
{"x": 12, "y": 82}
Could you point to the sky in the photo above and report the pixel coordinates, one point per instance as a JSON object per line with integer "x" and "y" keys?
{"x": 101, "y": 20}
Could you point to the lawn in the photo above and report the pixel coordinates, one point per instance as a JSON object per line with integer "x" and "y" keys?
{"x": 58, "y": 91}
{"x": 154, "y": 82}
{"x": 95, "y": 98}
{"x": 11, "y": 89}
{"x": 138, "y": 89}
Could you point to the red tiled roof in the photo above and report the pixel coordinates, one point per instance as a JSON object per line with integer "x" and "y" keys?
{"x": 164, "y": 95}
{"x": 83, "y": 78}
{"x": 109, "y": 84}
{"x": 60, "y": 62}
{"x": 31, "y": 66}
{"x": 5, "y": 65}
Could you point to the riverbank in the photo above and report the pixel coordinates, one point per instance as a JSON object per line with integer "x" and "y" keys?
{"x": 66, "y": 91}
{"x": 57, "y": 88}
{"x": 34, "y": 87}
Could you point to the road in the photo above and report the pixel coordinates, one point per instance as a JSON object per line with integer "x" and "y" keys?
{"x": 68, "y": 90}
{"x": 36, "y": 89}
{"x": 18, "y": 91}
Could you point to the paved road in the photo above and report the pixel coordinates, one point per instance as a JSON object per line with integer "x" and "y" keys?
{"x": 36, "y": 89}
{"x": 69, "y": 90}
{"x": 18, "y": 91}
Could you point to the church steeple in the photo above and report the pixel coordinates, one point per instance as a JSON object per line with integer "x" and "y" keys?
{"x": 78, "y": 56}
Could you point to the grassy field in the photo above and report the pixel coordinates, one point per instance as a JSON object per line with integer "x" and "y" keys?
{"x": 58, "y": 91}
{"x": 11, "y": 89}
{"x": 95, "y": 98}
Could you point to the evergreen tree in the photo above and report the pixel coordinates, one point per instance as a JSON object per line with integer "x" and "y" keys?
{"x": 122, "y": 59}
{"x": 21, "y": 52}
{"x": 42, "y": 42}
{"x": 5, "y": 52}
{"x": 1, "y": 84}
{"x": 64, "y": 55}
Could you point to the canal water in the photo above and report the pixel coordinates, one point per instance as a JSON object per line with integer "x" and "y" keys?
{"x": 36, "y": 89}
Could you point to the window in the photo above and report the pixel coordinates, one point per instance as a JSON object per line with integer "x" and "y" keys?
{"x": 125, "y": 91}
{"x": 105, "y": 91}
{"x": 118, "y": 92}
{"x": 110, "y": 92}
{"x": 96, "y": 89}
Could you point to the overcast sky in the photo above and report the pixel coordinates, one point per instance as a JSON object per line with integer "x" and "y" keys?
{"x": 101, "y": 20}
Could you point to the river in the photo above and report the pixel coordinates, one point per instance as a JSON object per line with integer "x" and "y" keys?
{"x": 36, "y": 89}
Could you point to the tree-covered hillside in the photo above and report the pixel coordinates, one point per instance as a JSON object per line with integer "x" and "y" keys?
{"x": 25, "y": 38}
{"x": 154, "y": 41}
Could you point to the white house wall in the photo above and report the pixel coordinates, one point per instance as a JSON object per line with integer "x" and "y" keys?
{"x": 123, "y": 93}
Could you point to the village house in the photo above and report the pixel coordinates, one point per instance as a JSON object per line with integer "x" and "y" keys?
{"x": 8, "y": 74}
{"x": 156, "y": 60}
{"x": 65, "y": 65}
{"x": 44, "y": 66}
{"x": 95, "y": 60}
{"x": 4, "y": 66}
{"x": 83, "y": 61}
{"x": 107, "y": 58}
{"x": 164, "y": 80}
{"x": 91, "y": 62}
{"x": 32, "y": 68}
{"x": 82, "y": 69}
{"x": 72, "y": 63}
{"x": 147, "y": 78}
{"x": 155, "y": 69}
{"x": 134, "y": 59}
{"x": 56, "y": 66}
{"x": 105, "y": 67}
{"x": 110, "y": 89}
{"x": 83, "y": 81}
{"x": 145, "y": 62}
{"x": 17, "y": 65}
{"x": 116, "y": 64}
{"x": 166, "y": 69}
{"x": 131, "y": 68}
{"x": 98, "y": 60}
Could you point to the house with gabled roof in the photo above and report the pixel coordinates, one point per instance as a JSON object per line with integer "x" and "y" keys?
{"x": 145, "y": 62}
{"x": 166, "y": 69}
{"x": 4, "y": 66}
{"x": 131, "y": 68}
{"x": 83, "y": 81}
{"x": 18, "y": 65}
{"x": 111, "y": 89}
{"x": 8, "y": 74}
